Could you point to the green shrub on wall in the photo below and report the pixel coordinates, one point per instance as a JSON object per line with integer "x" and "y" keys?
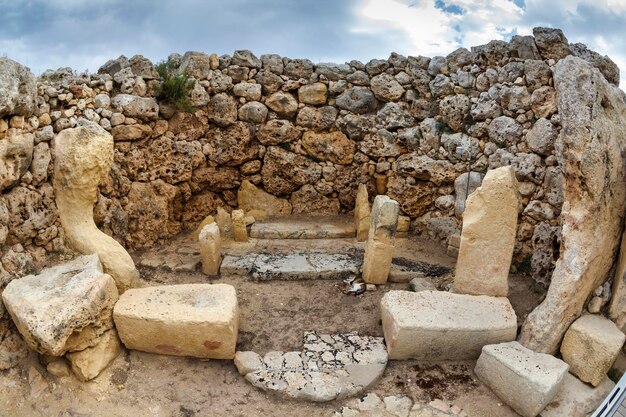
{"x": 176, "y": 87}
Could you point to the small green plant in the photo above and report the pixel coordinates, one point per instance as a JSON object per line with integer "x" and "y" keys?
{"x": 176, "y": 87}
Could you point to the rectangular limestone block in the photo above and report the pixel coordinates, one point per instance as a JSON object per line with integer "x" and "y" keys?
{"x": 199, "y": 320}
{"x": 590, "y": 347}
{"x": 377, "y": 262}
{"x": 524, "y": 380}
{"x": 437, "y": 325}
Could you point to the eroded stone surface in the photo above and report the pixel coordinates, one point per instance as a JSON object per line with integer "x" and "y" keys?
{"x": 250, "y": 197}
{"x": 64, "y": 308}
{"x": 199, "y": 320}
{"x": 397, "y": 406}
{"x": 380, "y": 240}
{"x": 330, "y": 366}
{"x": 303, "y": 228}
{"x": 87, "y": 364}
{"x": 436, "y": 325}
{"x": 532, "y": 379}
{"x": 362, "y": 214}
{"x": 210, "y": 249}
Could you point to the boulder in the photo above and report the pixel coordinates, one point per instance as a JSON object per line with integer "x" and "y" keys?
{"x": 317, "y": 118}
{"x": 231, "y": 146}
{"x": 222, "y": 110}
{"x": 64, "y": 308}
{"x": 278, "y": 131}
{"x": 143, "y": 108}
{"x": 87, "y": 364}
{"x": 199, "y": 320}
{"x": 591, "y": 151}
{"x": 488, "y": 236}
{"x": 250, "y": 197}
{"x": 552, "y": 43}
{"x": 334, "y": 147}
{"x": 307, "y": 200}
{"x": 18, "y": 89}
{"x": 436, "y": 325}
{"x": 16, "y": 155}
{"x": 357, "y": 100}
{"x": 284, "y": 172}
{"x": 282, "y": 103}
{"x": 253, "y": 112}
{"x": 210, "y": 248}
{"x": 590, "y": 347}
{"x": 386, "y": 88}
{"x": 83, "y": 159}
{"x": 524, "y": 380}
{"x": 313, "y": 93}
{"x": 463, "y": 188}
{"x": 380, "y": 240}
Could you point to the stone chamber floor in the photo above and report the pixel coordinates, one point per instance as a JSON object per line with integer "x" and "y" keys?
{"x": 274, "y": 316}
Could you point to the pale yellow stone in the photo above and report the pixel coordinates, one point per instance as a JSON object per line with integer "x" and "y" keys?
{"x": 258, "y": 214}
{"x": 362, "y": 214}
{"x": 199, "y": 320}
{"x": 380, "y": 241}
{"x": 404, "y": 223}
{"x": 488, "y": 236}
{"x": 240, "y": 232}
{"x": 590, "y": 347}
{"x": 207, "y": 220}
{"x": 83, "y": 158}
{"x": 225, "y": 223}
{"x": 250, "y": 198}
{"x": 210, "y": 249}
{"x": 87, "y": 364}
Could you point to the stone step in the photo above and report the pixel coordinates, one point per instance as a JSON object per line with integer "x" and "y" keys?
{"x": 292, "y": 266}
{"x": 310, "y": 227}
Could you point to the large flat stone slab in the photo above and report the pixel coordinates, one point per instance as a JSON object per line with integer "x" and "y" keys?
{"x": 437, "y": 325}
{"x": 330, "y": 366}
{"x": 526, "y": 381}
{"x": 311, "y": 227}
{"x": 64, "y": 308}
{"x": 590, "y": 347}
{"x": 199, "y": 320}
{"x": 291, "y": 266}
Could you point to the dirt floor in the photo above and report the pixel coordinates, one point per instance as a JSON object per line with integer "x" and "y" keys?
{"x": 274, "y": 316}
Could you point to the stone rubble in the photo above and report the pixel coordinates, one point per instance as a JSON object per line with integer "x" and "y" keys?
{"x": 330, "y": 366}
{"x": 397, "y": 406}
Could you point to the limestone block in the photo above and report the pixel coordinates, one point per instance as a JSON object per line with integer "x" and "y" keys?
{"x": 64, "y": 308}
{"x": 250, "y": 197}
{"x": 590, "y": 347}
{"x": 380, "y": 240}
{"x": 362, "y": 214}
{"x": 87, "y": 364}
{"x": 577, "y": 399}
{"x": 225, "y": 223}
{"x": 524, "y": 380}
{"x": 594, "y": 198}
{"x": 240, "y": 232}
{"x": 210, "y": 249}
{"x": 199, "y": 320}
{"x": 83, "y": 158}
{"x": 437, "y": 325}
{"x": 207, "y": 220}
{"x": 488, "y": 236}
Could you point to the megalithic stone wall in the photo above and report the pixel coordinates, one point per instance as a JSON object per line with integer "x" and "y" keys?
{"x": 306, "y": 133}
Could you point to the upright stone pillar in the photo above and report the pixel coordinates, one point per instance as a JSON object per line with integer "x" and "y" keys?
{"x": 488, "y": 236}
{"x": 380, "y": 241}
{"x": 210, "y": 249}
{"x": 362, "y": 214}
{"x": 240, "y": 233}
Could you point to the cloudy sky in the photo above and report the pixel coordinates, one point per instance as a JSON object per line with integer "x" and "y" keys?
{"x": 83, "y": 34}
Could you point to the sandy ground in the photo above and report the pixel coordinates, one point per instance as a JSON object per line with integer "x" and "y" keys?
{"x": 274, "y": 316}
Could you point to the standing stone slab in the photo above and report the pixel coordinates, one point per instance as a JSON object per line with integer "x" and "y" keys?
{"x": 380, "y": 241}
{"x": 210, "y": 249}
{"x": 436, "y": 325}
{"x": 488, "y": 236}
{"x": 590, "y": 347}
{"x": 64, "y": 308}
{"x": 362, "y": 214}
{"x": 592, "y": 154}
{"x": 199, "y": 320}
{"x": 524, "y": 380}
{"x": 240, "y": 233}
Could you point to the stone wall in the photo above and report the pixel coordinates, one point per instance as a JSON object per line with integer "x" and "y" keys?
{"x": 309, "y": 133}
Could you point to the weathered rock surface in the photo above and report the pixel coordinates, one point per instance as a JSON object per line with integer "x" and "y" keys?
{"x": 240, "y": 233}
{"x": 362, "y": 214}
{"x": 284, "y": 172}
{"x": 334, "y": 147}
{"x": 64, "y": 308}
{"x": 18, "y": 89}
{"x": 590, "y": 347}
{"x": 592, "y": 155}
{"x": 617, "y": 308}
{"x": 16, "y": 155}
{"x": 250, "y": 197}
{"x": 532, "y": 379}
{"x": 13, "y": 350}
{"x": 380, "y": 240}
{"x": 330, "y": 366}
{"x": 199, "y": 320}
{"x": 435, "y": 325}
{"x": 210, "y": 248}
{"x": 83, "y": 159}
{"x": 463, "y": 188}
{"x": 489, "y": 227}
{"x": 87, "y": 364}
